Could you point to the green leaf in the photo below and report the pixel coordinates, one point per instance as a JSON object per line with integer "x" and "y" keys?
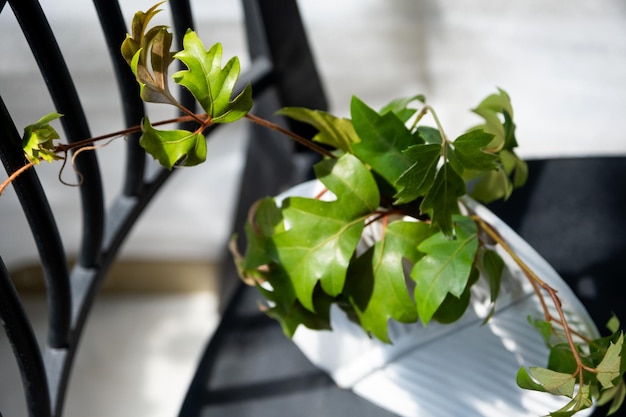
{"x": 452, "y": 308}
{"x": 170, "y": 147}
{"x": 441, "y": 201}
{"x": 492, "y": 266}
{"x": 429, "y": 134}
{"x": 613, "y": 395}
{"x": 211, "y": 84}
{"x": 543, "y": 327}
{"x": 383, "y": 140}
{"x": 609, "y": 368}
{"x": 469, "y": 149}
{"x": 492, "y": 186}
{"x": 446, "y": 267}
{"x": 556, "y": 383}
{"x": 420, "y": 176}
{"x": 333, "y": 131}
{"x": 490, "y": 109}
{"x": 376, "y": 283}
{"x": 524, "y": 381}
{"x": 37, "y": 140}
{"x": 289, "y": 312}
{"x": 400, "y": 107}
{"x": 322, "y": 235}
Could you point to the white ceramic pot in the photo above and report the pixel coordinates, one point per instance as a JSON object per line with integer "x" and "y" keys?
{"x": 463, "y": 369}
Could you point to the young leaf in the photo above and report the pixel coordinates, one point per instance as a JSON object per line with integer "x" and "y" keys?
{"x": 383, "y": 140}
{"x": 441, "y": 201}
{"x": 400, "y": 107}
{"x": 136, "y": 40}
{"x": 211, "y": 84}
{"x": 445, "y": 268}
{"x": 147, "y": 51}
{"x": 376, "y": 283}
{"x": 469, "y": 149}
{"x": 37, "y": 141}
{"x": 173, "y": 146}
{"x": 333, "y": 131}
{"x": 609, "y": 368}
{"x": 419, "y": 178}
{"x": 322, "y": 235}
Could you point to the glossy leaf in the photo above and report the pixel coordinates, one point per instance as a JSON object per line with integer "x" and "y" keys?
{"x": 211, "y": 84}
{"x": 171, "y": 147}
{"x": 469, "y": 149}
{"x": 452, "y": 308}
{"x": 376, "y": 283}
{"x": 334, "y": 131}
{"x": 322, "y": 235}
{"x": 383, "y": 140}
{"x": 420, "y": 176}
{"x": 37, "y": 141}
{"x": 446, "y": 267}
{"x": 441, "y": 201}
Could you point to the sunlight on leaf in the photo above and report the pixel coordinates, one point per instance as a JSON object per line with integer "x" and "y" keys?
{"x": 37, "y": 141}
{"x": 210, "y": 84}
{"x": 334, "y": 131}
{"x": 170, "y": 147}
{"x": 445, "y": 268}
{"x": 322, "y": 235}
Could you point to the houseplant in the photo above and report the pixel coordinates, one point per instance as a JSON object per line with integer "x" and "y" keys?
{"x": 387, "y": 171}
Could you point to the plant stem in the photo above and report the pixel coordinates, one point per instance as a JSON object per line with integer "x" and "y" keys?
{"x": 536, "y": 281}
{"x": 299, "y": 139}
{"x": 14, "y": 175}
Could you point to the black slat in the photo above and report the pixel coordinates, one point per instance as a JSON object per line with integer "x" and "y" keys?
{"x": 63, "y": 92}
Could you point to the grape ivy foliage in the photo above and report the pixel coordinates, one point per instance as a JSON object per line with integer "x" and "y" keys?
{"x": 390, "y": 171}
{"x": 389, "y": 176}
{"x": 147, "y": 51}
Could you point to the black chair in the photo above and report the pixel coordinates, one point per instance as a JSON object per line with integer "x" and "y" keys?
{"x": 282, "y": 73}
{"x": 570, "y": 211}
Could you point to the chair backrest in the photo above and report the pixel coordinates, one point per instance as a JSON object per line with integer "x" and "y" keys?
{"x": 282, "y": 73}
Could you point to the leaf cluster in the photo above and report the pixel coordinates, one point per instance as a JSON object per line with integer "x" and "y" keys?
{"x": 593, "y": 370}
{"x": 400, "y": 183}
{"x": 148, "y": 52}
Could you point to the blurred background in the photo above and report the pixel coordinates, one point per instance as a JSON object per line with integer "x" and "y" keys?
{"x": 562, "y": 62}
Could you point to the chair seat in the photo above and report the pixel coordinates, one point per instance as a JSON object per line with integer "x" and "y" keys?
{"x": 250, "y": 368}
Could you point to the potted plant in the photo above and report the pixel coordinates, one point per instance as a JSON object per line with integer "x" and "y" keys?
{"x": 390, "y": 238}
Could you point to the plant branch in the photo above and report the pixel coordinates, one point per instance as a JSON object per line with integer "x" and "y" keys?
{"x": 14, "y": 175}
{"x": 299, "y": 139}
{"x": 536, "y": 281}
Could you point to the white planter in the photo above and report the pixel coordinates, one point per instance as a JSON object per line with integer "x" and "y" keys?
{"x": 463, "y": 369}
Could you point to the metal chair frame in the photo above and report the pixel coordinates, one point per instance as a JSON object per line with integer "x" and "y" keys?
{"x": 282, "y": 73}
